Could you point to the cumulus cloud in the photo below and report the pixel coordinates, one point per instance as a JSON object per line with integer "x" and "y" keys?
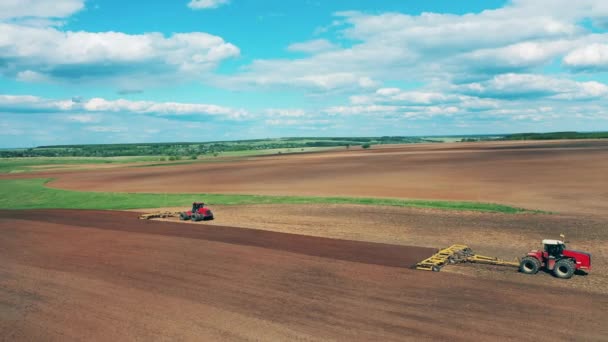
{"x": 39, "y": 8}
{"x": 396, "y": 95}
{"x": 522, "y": 36}
{"x": 493, "y": 65}
{"x": 34, "y": 49}
{"x": 207, "y": 4}
{"x": 447, "y": 32}
{"x": 518, "y": 56}
{"x": 160, "y": 108}
{"x": 48, "y": 52}
{"x": 298, "y": 122}
{"x": 312, "y": 46}
{"x": 83, "y": 118}
{"x": 594, "y": 57}
{"x": 522, "y": 86}
{"x": 34, "y": 104}
{"x": 282, "y": 112}
{"x": 358, "y": 110}
{"x": 29, "y": 103}
{"x": 31, "y": 76}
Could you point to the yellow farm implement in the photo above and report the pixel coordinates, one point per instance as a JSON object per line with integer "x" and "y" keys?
{"x": 160, "y": 214}
{"x": 459, "y": 254}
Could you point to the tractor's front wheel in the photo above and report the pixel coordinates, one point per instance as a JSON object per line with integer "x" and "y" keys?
{"x": 529, "y": 265}
{"x": 564, "y": 269}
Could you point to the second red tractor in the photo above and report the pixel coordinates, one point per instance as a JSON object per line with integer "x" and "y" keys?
{"x": 556, "y": 258}
{"x": 198, "y": 213}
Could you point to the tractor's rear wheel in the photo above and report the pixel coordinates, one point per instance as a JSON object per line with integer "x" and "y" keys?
{"x": 529, "y": 265}
{"x": 196, "y": 217}
{"x": 183, "y": 216}
{"x": 564, "y": 269}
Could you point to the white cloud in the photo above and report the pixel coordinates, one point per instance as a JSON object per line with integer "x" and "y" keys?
{"x": 529, "y": 86}
{"x": 420, "y": 99}
{"x": 39, "y": 8}
{"x": 83, "y": 118}
{"x": 33, "y": 104}
{"x": 594, "y": 56}
{"x": 298, "y": 122}
{"x": 519, "y": 37}
{"x": 29, "y": 103}
{"x": 31, "y": 76}
{"x": 413, "y": 97}
{"x": 207, "y": 4}
{"x": 312, "y": 46}
{"x": 160, "y": 108}
{"x": 78, "y": 54}
{"x": 399, "y": 111}
{"x": 359, "y": 110}
{"x": 517, "y": 56}
{"x": 106, "y": 129}
{"x": 447, "y": 32}
{"x": 285, "y": 112}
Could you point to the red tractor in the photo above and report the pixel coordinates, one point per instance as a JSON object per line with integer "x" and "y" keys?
{"x": 556, "y": 258}
{"x": 198, "y": 213}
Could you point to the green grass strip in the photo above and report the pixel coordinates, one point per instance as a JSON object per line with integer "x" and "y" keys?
{"x": 33, "y": 194}
{"x": 19, "y": 165}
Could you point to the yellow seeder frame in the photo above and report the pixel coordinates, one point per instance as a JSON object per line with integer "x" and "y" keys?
{"x": 459, "y": 254}
{"x": 163, "y": 214}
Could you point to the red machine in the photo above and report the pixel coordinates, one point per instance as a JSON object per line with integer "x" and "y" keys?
{"x": 556, "y": 258}
{"x": 198, "y": 213}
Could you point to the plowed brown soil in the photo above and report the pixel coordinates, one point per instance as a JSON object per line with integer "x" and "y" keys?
{"x": 560, "y": 176}
{"x": 505, "y": 236}
{"x": 82, "y": 275}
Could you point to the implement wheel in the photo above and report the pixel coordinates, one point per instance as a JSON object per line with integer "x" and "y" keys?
{"x": 564, "y": 269}
{"x": 529, "y": 265}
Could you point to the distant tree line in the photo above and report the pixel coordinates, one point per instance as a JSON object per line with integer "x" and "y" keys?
{"x": 556, "y": 136}
{"x": 185, "y": 149}
{"x": 178, "y": 150}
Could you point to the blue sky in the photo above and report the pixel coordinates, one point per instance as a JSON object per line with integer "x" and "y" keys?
{"x": 96, "y": 71}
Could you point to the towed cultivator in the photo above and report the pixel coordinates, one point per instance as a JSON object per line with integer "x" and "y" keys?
{"x": 160, "y": 214}
{"x": 554, "y": 258}
{"x": 458, "y": 254}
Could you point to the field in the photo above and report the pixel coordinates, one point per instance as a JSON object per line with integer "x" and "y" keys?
{"x": 276, "y": 265}
{"x": 63, "y": 163}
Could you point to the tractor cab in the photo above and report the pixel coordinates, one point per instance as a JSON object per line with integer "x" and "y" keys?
{"x": 196, "y": 206}
{"x": 554, "y": 248}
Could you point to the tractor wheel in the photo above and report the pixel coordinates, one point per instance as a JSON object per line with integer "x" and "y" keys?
{"x": 196, "y": 217}
{"x": 564, "y": 269}
{"x": 183, "y": 216}
{"x": 529, "y": 265}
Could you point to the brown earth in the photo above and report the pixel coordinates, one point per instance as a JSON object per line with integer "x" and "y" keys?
{"x": 82, "y": 275}
{"x": 560, "y": 176}
{"x": 506, "y": 236}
